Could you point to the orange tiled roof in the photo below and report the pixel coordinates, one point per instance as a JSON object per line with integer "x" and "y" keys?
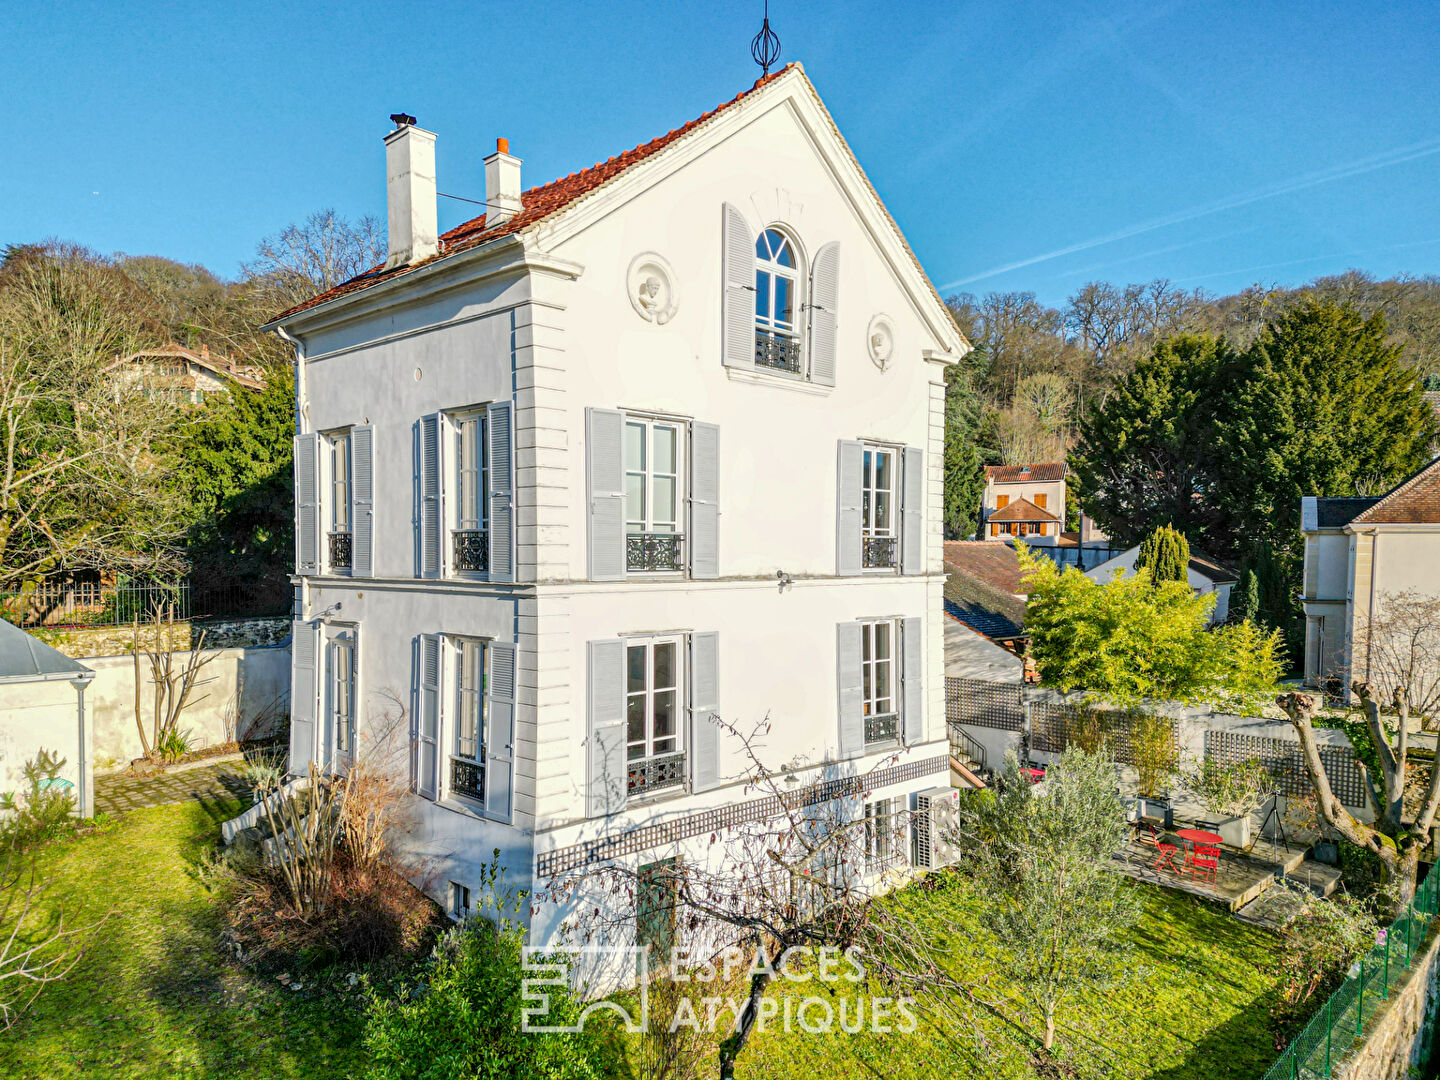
{"x": 536, "y": 204}
{"x": 1021, "y": 510}
{"x": 1025, "y": 474}
{"x": 1415, "y": 501}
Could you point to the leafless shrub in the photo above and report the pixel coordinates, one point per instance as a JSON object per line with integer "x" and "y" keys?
{"x": 172, "y": 684}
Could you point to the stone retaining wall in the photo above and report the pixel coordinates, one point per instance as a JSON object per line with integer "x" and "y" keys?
{"x": 1399, "y": 1041}
{"x": 82, "y": 642}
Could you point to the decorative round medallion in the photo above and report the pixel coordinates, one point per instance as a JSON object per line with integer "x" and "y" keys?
{"x": 651, "y": 285}
{"x": 880, "y": 340}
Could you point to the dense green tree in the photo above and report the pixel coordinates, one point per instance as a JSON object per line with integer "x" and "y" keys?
{"x": 1245, "y": 601}
{"x": 1143, "y": 458}
{"x": 1166, "y": 554}
{"x": 964, "y": 453}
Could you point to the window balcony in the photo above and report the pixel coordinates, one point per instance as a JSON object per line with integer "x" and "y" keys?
{"x": 884, "y": 728}
{"x": 340, "y": 551}
{"x": 878, "y": 552}
{"x": 654, "y": 551}
{"x": 467, "y": 778}
{"x": 658, "y": 773}
{"x": 778, "y": 352}
{"x": 471, "y": 550}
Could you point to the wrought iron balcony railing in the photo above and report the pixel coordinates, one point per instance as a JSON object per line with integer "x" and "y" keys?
{"x": 467, "y": 778}
{"x": 879, "y": 551}
{"x": 882, "y": 729}
{"x": 656, "y": 773}
{"x": 654, "y": 551}
{"x": 779, "y": 352}
{"x": 471, "y": 549}
{"x": 339, "y": 551}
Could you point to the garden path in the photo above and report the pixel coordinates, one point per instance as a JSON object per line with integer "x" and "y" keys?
{"x": 118, "y": 792}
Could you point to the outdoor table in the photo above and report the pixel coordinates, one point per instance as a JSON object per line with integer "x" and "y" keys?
{"x": 1198, "y": 836}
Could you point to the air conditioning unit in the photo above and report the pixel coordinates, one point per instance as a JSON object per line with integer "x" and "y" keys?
{"x": 936, "y": 821}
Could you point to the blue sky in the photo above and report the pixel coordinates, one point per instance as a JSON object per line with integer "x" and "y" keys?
{"x": 1021, "y": 146}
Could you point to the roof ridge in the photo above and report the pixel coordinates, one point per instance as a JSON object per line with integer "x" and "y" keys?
{"x": 1397, "y": 491}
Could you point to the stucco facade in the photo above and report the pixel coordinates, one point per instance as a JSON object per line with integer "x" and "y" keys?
{"x": 568, "y": 336}
{"x": 1041, "y": 490}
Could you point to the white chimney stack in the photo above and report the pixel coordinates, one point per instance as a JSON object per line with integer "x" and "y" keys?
{"x": 502, "y": 185}
{"x": 410, "y": 193}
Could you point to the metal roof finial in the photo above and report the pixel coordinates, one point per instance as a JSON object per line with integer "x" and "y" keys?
{"x": 765, "y": 47}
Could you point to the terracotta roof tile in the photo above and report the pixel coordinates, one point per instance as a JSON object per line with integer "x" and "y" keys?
{"x": 1022, "y": 510}
{"x": 1025, "y": 474}
{"x": 536, "y": 205}
{"x": 1415, "y": 501}
{"x": 992, "y": 562}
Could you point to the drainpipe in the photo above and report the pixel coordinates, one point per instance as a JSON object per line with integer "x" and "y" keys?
{"x": 83, "y": 787}
{"x": 1370, "y": 614}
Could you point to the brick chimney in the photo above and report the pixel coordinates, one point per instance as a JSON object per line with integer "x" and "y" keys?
{"x": 410, "y": 193}
{"x": 502, "y": 185}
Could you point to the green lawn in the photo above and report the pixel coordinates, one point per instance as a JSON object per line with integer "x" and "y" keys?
{"x": 155, "y": 998}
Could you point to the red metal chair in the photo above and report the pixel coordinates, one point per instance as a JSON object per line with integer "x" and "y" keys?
{"x": 1204, "y": 862}
{"x": 1166, "y": 857}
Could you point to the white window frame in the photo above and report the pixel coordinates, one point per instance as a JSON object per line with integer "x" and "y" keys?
{"x": 453, "y": 697}
{"x": 452, "y": 439}
{"x": 885, "y": 846}
{"x": 335, "y": 442}
{"x": 766, "y": 322}
{"x": 871, "y": 667}
{"x": 460, "y": 902}
{"x": 870, "y": 529}
{"x": 647, "y": 694}
{"x": 342, "y": 641}
{"x": 646, "y": 521}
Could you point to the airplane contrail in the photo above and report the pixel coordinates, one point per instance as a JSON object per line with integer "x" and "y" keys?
{"x": 1323, "y": 176}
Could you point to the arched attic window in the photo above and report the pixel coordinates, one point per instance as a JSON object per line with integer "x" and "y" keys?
{"x": 777, "y": 303}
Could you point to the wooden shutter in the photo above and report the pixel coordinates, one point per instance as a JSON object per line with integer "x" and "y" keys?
{"x": 362, "y": 481}
{"x": 738, "y": 307}
{"x": 606, "y": 786}
{"x": 847, "y": 518}
{"x": 605, "y": 444}
{"x": 912, "y": 679}
{"x": 704, "y": 500}
{"x": 307, "y": 504}
{"x": 304, "y": 693}
{"x": 851, "y": 705}
{"x": 705, "y": 741}
{"x": 426, "y": 744}
{"x": 431, "y": 453}
{"x": 824, "y": 313}
{"x": 502, "y": 493}
{"x": 912, "y": 513}
{"x": 500, "y": 732}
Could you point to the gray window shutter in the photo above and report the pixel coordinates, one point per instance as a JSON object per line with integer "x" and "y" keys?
{"x": 847, "y": 672}
{"x": 704, "y": 500}
{"x": 604, "y": 437}
{"x": 432, "y": 491}
{"x": 606, "y": 785}
{"x": 912, "y": 512}
{"x": 362, "y": 481}
{"x": 500, "y": 732}
{"x": 912, "y": 679}
{"x": 704, "y": 702}
{"x": 738, "y": 258}
{"x": 502, "y": 493}
{"x": 824, "y": 313}
{"x": 304, "y": 693}
{"x": 426, "y": 744}
{"x": 847, "y": 518}
{"x": 307, "y": 504}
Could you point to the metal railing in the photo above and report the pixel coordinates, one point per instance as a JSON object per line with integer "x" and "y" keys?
{"x": 964, "y": 745}
{"x": 467, "y": 778}
{"x": 653, "y": 551}
{"x": 883, "y": 728}
{"x": 780, "y": 352}
{"x": 656, "y": 773}
{"x": 471, "y": 549}
{"x": 1339, "y": 1027}
{"x": 67, "y": 605}
{"x": 340, "y": 548}
{"x": 878, "y": 551}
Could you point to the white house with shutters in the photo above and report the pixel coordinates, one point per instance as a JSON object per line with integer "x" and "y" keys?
{"x": 653, "y": 443}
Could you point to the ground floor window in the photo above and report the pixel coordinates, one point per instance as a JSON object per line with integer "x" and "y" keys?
{"x": 341, "y": 663}
{"x": 884, "y": 834}
{"x": 467, "y": 763}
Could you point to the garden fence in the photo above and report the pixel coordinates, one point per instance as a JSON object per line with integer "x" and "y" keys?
{"x": 70, "y": 605}
{"x": 1339, "y": 1027}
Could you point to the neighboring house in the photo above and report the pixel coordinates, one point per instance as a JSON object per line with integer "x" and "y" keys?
{"x": 179, "y": 374}
{"x": 1023, "y": 500}
{"x": 1357, "y": 550}
{"x": 1204, "y": 575}
{"x": 42, "y": 707}
{"x": 983, "y": 590}
{"x": 657, "y": 442}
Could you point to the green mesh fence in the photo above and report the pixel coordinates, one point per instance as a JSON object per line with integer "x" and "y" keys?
{"x": 1340, "y": 1026}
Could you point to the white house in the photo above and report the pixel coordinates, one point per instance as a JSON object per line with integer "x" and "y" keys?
{"x": 1204, "y": 576}
{"x": 1358, "y": 550}
{"x": 658, "y": 441}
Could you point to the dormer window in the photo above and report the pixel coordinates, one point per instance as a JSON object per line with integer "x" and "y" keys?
{"x": 777, "y": 277}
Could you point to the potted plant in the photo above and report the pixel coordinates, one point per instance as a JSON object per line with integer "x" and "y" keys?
{"x": 1230, "y": 792}
{"x": 1155, "y": 755}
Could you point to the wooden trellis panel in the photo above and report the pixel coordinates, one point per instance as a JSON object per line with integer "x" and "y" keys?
{"x": 984, "y": 704}
{"x": 1287, "y": 764}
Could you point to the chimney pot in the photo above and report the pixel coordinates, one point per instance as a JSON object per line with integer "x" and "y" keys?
{"x": 502, "y": 185}
{"x": 410, "y": 193}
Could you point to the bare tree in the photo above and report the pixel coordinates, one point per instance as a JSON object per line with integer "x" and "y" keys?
{"x": 1397, "y": 652}
{"x": 172, "y": 685}
{"x": 304, "y": 259}
{"x": 1394, "y": 842}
